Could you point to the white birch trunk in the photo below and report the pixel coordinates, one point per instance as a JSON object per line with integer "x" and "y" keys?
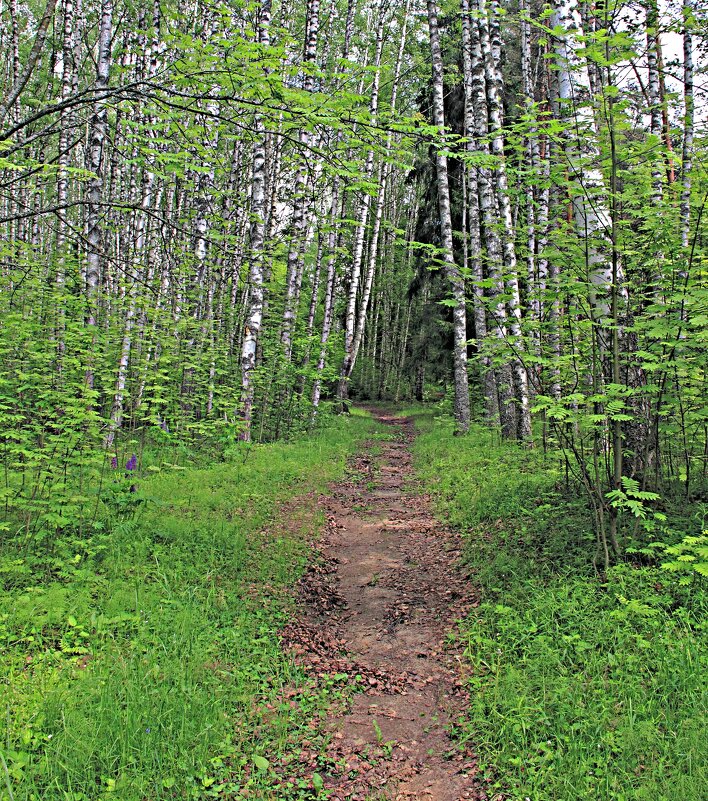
{"x": 490, "y": 43}
{"x": 97, "y": 136}
{"x": 501, "y": 395}
{"x": 301, "y": 197}
{"x": 452, "y": 271}
{"x": 384, "y": 171}
{"x": 360, "y": 232}
{"x": 688, "y": 125}
{"x": 254, "y": 315}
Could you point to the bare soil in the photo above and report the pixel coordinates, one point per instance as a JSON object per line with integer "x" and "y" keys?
{"x": 380, "y": 599}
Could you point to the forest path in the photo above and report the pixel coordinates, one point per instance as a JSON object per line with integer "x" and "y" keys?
{"x": 383, "y": 595}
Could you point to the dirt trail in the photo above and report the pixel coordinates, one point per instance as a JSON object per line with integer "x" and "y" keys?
{"x": 380, "y": 601}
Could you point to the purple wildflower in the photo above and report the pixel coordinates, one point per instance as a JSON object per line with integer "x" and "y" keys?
{"x": 165, "y": 427}
{"x": 114, "y": 463}
{"x": 132, "y": 463}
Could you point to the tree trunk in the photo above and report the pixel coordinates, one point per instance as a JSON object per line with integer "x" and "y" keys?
{"x": 97, "y": 136}
{"x": 360, "y": 232}
{"x": 254, "y": 315}
{"x": 489, "y": 33}
{"x": 452, "y": 271}
{"x": 473, "y": 232}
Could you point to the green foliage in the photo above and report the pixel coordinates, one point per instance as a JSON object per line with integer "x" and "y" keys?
{"x": 151, "y": 666}
{"x": 577, "y": 689}
{"x": 584, "y": 691}
{"x": 691, "y": 556}
{"x": 633, "y": 499}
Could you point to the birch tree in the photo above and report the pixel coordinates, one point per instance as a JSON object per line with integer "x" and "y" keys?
{"x": 452, "y": 271}
{"x": 254, "y": 316}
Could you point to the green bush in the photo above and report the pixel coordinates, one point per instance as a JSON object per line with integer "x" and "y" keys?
{"x": 146, "y": 669}
{"x": 578, "y": 689}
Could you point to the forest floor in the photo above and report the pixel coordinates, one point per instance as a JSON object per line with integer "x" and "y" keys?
{"x": 379, "y": 610}
{"x": 379, "y": 601}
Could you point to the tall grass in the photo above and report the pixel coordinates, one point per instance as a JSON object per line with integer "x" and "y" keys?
{"x": 578, "y": 689}
{"x": 151, "y": 667}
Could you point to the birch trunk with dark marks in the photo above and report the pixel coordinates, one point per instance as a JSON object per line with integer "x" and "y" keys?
{"x": 490, "y": 41}
{"x": 656, "y": 129}
{"x": 330, "y": 287}
{"x": 369, "y": 276}
{"x": 688, "y": 126}
{"x": 473, "y": 228}
{"x": 21, "y": 76}
{"x": 384, "y": 172}
{"x": 535, "y": 278}
{"x": 301, "y": 197}
{"x": 134, "y": 277}
{"x": 64, "y": 162}
{"x": 452, "y": 271}
{"x": 654, "y": 92}
{"x": 139, "y": 259}
{"x": 360, "y": 232}
{"x": 315, "y": 281}
{"x": 97, "y": 136}
{"x": 490, "y": 236}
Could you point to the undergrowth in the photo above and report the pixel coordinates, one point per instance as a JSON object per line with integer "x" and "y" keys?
{"x": 144, "y": 662}
{"x": 579, "y": 689}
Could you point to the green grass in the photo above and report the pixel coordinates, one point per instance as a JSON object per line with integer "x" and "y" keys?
{"x": 148, "y": 664}
{"x": 578, "y": 689}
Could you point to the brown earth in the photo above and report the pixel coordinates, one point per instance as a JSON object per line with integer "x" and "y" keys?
{"x": 386, "y": 589}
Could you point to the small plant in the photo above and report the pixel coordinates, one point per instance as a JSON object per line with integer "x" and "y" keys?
{"x": 691, "y": 557}
{"x": 386, "y": 746}
{"x": 634, "y": 500}
{"x": 121, "y": 493}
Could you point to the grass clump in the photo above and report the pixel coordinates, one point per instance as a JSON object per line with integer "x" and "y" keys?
{"x": 579, "y": 689}
{"x": 149, "y": 665}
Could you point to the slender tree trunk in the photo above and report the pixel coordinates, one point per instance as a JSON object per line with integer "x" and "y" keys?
{"x": 503, "y": 379}
{"x": 360, "y": 232}
{"x": 384, "y": 171}
{"x": 97, "y": 136}
{"x": 254, "y": 315}
{"x": 688, "y": 124}
{"x": 536, "y": 282}
{"x": 64, "y": 161}
{"x": 473, "y": 231}
{"x": 329, "y": 297}
{"x": 452, "y": 271}
{"x": 489, "y": 33}
{"x": 301, "y": 197}
{"x": 20, "y": 78}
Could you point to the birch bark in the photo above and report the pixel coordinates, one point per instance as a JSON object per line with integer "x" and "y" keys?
{"x": 254, "y": 316}
{"x": 362, "y": 221}
{"x": 491, "y": 43}
{"x": 301, "y": 197}
{"x": 452, "y": 271}
{"x": 688, "y": 124}
{"x": 384, "y": 172}
{"x": 97, "y": 136}
{"x": 501, "y": 395}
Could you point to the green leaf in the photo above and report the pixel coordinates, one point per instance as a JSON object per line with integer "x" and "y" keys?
{"x": 260, "y": 762}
